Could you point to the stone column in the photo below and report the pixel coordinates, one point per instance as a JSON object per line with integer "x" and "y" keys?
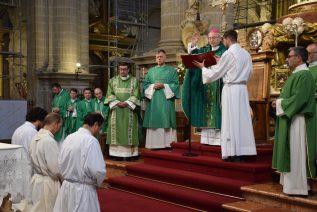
{"x": 58, "y": 39}
{"x": 172, "y": 14}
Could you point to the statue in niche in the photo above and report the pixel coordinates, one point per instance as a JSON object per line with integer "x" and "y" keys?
{"x": 192, "y": 24}
{"x": 94, "y": 8}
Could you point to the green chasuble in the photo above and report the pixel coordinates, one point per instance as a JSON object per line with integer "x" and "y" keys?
{"x": 70, "y": 122}
{"x": 84, "y": 107}
{"x": 60, "y": 100}
{"x": 160, "y": 112}
{"x": 100, "y": 107}
{"x": 313, "y": 70}
{"x": 205, "y": 99}
{"x": 298, "y": 98}
{"x": 123, "y": 122}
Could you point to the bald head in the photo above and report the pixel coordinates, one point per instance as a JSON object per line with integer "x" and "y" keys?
{"x": 98, "y": 93}
{"x": 312, "y": 52}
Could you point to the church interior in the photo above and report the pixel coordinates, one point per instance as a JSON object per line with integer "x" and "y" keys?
{"x": 79, "y": 44}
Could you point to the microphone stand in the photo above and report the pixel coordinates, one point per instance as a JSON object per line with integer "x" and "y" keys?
{"x": 189, "y": 153}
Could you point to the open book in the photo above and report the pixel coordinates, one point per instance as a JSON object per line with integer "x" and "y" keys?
{"x": 208, "y": 57}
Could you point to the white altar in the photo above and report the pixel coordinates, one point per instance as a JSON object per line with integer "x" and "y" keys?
{"x": 15, "y": 172}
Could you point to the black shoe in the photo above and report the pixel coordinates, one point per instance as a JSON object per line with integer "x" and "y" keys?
{"x": 133, "y": 158}
{"x": 297, "y": 195}
{"x": 228, "y": 159}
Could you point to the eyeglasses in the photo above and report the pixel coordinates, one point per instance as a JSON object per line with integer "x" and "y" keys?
{"x": 213, "y": 37}
{"x": 124, "y": 69}
{"x": 289, "y": 56}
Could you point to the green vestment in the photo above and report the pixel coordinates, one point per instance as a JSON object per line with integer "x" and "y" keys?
{"x": 205, "y": 99}
{"x": 100, "y": 107}
{"x": 70, "y": 121}
{"x": 123, "y": 122}
{"x": 84, "y": 108}
{"x": 297, "y": 98}
{"x": 160, "y": 112}
{"x": 313, "y": 70}
{"x": 60, "y": 100}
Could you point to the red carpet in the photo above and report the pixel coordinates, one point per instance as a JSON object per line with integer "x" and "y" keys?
{"x": 112, "y": 200}
{"x": 176, "y": 194}
{"x": 253, "y": 171}
{"x": 264, "y": 152}
{"x": 189, "y": 179}
{"x": 204, "y": 182}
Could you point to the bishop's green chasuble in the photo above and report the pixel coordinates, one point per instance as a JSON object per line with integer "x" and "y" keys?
{"x": 298, "y": 98}
{"x": 123, "y": 122}
{"x": 205, "y": 99}
{"x": 60, "y": 100}
{"x": 160, "y": 112}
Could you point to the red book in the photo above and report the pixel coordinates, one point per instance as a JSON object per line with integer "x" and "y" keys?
{"x": 208, "y": 57}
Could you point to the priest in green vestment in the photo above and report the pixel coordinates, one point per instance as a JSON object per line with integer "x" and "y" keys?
{"x": 71, "y": 114}
{"x": 59, "y": 105}
{"x": 205, "y": 98}
{"x": 312, "y": 60}
{"x": 84, "y": 107}
{"x": 294, "y": 152}
{"x": 100, "y": 107}
{"x": 123, "y": 98}
{"x": 160, "y": 89}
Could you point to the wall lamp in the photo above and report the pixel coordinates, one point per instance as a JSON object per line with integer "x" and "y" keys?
{"x": 77, "y": 70}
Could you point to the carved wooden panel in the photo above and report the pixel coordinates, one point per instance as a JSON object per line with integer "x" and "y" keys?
{"x": 258, "y": 84}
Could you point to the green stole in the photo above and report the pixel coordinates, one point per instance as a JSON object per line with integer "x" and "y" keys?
{"x": 205, "y": 99}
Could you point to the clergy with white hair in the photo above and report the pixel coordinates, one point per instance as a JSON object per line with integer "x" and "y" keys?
{"x": 205, "y": 99}
{"x": 234, "y": 67}
{"x": 82, "y": 167}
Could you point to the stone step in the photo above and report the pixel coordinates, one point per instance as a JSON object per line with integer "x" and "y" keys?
{"x": 271, "y": 195}
{"x": 117, "y": 168}
{"x": 244, "y": 206}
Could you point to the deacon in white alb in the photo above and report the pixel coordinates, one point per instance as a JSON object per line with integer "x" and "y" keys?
{"x": 44, "y": 154}
{"x": 82, "y": 167}
{"x": 234, "y": 66}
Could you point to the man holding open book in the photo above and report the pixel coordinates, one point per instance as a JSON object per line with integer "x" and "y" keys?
{"x": 204, "y": 99}
{"x": 234, "y": 67}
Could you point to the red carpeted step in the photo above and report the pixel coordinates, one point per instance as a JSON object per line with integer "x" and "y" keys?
{"x": 111, "y": 200}
{"x": 182, "y": 147}
{"x": 264, "y": 152}
{"x": 191, "y": 198}
{"x": 191, "y": 179}
{"x": 254, "y": 171}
